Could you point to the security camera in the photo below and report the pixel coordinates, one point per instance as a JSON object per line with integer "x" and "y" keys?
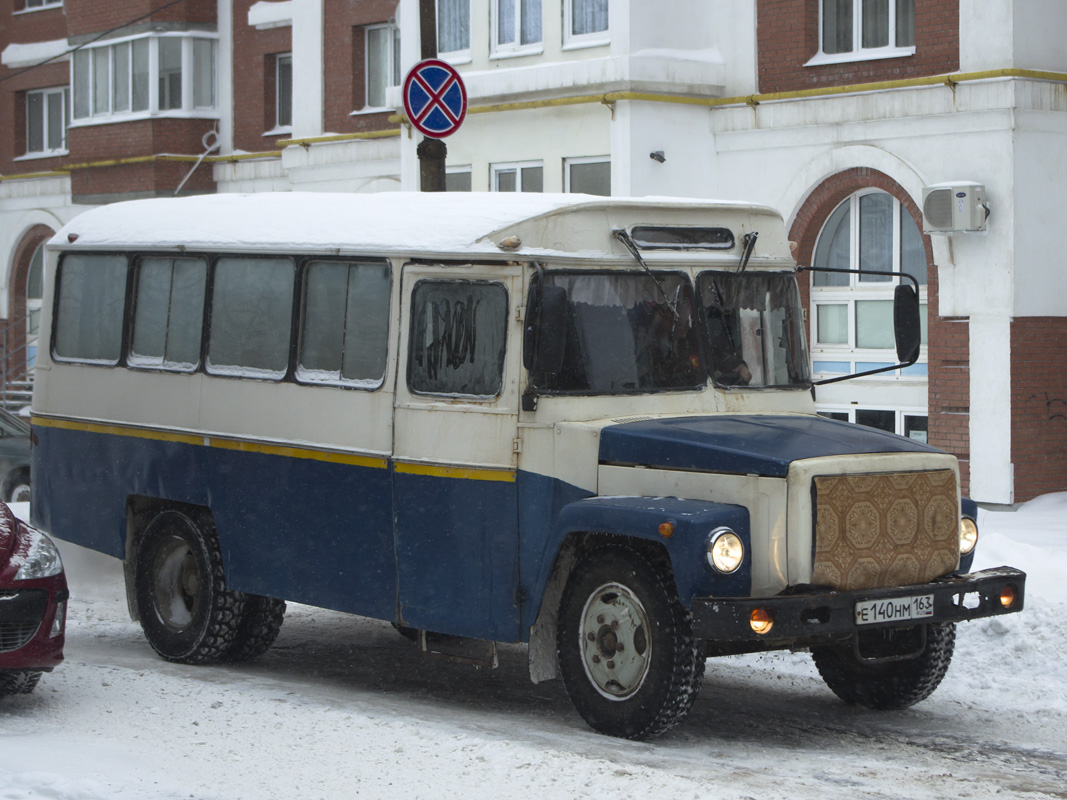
{"x": 657, "y": 156}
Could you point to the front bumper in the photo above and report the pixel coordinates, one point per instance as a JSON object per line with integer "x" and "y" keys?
{"x": 830, "y": 615}
{"x": 27, "y": 615}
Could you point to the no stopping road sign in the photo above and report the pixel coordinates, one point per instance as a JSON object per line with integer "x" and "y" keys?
{"x": 435, "y": 98}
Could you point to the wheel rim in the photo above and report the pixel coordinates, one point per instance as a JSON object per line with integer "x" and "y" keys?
{"x": 177, "y": 582}
{"x": 615, "y": 642}
{"x": 21, "y": 493}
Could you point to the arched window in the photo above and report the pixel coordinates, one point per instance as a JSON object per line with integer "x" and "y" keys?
{"x": 852, "y": 314}
{"x": 34, "y": 294}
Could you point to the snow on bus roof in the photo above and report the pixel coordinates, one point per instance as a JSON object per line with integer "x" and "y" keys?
{"x": 409, "y": 222}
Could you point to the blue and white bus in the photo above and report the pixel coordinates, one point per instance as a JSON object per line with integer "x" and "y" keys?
{"x": 585, "y": 424}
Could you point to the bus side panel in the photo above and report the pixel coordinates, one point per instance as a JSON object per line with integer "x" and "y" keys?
{"x": 457, "y": 544}
{"x": 290, "y": 527}
{"x": 540, "y": 500}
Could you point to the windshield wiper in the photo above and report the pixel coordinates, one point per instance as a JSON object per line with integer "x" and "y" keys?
{"x": 748, "y": 242}
{"x": 624, "y": 237}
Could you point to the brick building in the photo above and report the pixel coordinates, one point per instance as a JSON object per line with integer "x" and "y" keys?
{"x": 836, "y": 112}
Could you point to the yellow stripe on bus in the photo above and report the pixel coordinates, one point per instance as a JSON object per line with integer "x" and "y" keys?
{"x": 438, "y": 471}
{"x": 245, "y": 446}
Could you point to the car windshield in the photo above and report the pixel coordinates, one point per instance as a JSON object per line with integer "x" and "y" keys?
{"x": 626, "y": 332}
{"x": 755, "y": 329}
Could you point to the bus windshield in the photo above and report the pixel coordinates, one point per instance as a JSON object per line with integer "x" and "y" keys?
{"x": 626, "y": 332}
{"x": 755, "y": 329}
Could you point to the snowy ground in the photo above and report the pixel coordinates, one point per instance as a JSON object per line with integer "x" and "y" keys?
{"x": 344, "y": 707}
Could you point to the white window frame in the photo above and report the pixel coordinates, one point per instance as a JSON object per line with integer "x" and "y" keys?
{"x": 42, "y": 5}
{"x": 47, "y": 152}
{"x": 572, "y": 40}
{"x": 858, "y": 51}
{"x": 392, "y": 60}
{"x": 279, "y": 127}
{"x": 899, "y": 412}
{"x": 858, "y": 291}
{"x": 188, "y": 108}
{"x": 515, "y": 46}
{"x": 517, "y": 167}
{"x": 463, "y": 169}
{"x": 569, "y": 162}
{"x": 463, "y": 55}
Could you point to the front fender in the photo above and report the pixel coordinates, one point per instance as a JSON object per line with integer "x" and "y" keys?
{"x": 693, "y": 521}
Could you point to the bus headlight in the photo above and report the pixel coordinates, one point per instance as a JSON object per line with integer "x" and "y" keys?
{"x": 725, "y": 550}
{"x": 968, "y": 535}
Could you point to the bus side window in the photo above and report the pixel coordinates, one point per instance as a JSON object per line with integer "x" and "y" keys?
{"x": 344, "y": 331}
{"x": 168, "y": 313}
{"x": 458, "y": 333}
{"x": 90, "y": 304}
{"x": 251, "y": 317}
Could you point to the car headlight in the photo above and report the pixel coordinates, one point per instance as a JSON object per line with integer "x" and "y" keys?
{"x": 968, "y": 535}
{"x": 41, "y": 560}
{"x": 725, "y": 550}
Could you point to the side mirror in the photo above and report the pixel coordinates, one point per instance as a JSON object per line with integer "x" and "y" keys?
{"x": 546, "y": 328}
{"x": 906, "y": 326}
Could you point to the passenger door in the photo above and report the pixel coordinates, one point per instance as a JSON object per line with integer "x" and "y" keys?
{"x": 455, "y": 426}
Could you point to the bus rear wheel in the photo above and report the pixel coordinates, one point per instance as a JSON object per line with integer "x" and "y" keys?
{"x": 187, "y": 613}
{"x": 625, "y": 645}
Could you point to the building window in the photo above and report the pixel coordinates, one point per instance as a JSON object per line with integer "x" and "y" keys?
{"x": 32, "y": 5}
{"x": 852, "y": 30}
{"x": 458, "y": 179}
{"x": 913, "y": 424}
{"x": 46, "y": 122}
{"x": 454, "y": 28}
{"x": 116, "y": 80}
{"x": 283, "y": 91}
{"x": 516, "y": 26}
{"x": 852, "y": 315}
{"x": 588, "y": 175}
{"x": 528, "y": 176}
{"x": 585, "y": 22}
{"x": 383, "y": 63}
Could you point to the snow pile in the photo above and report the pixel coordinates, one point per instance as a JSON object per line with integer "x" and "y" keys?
{"x": 344, "y": 707}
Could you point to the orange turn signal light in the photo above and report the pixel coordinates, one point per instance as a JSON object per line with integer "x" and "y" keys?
{"x": 1007, "y": 596}
{"x": 761, "y": 620}
{"x": 666, "y": 529}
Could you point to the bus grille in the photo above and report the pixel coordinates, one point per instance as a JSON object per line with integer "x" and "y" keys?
{"x": 894, "y": 529}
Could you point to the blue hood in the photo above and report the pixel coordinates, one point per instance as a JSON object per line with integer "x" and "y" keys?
{"x": 745, "y": 445}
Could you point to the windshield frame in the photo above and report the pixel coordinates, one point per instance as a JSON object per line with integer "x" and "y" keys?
{"x": 795, "y": 318}
{"x": 655, "y": 278}
{"x": 690, "y": 279}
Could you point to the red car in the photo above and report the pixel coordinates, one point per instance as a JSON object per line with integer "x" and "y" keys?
{"x": 33, "y": 605}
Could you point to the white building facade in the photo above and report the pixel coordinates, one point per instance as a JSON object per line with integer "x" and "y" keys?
{"x": 837, "y": 119}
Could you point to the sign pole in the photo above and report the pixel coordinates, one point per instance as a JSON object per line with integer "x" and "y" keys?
{"x": 431, "y": 152}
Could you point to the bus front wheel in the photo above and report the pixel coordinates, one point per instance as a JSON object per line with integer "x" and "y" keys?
{"x": 625, "y": 644}
{"x": 187, "y": 613}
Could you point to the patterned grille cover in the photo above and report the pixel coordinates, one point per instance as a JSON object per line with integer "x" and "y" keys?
{"x": 882, "y": 530}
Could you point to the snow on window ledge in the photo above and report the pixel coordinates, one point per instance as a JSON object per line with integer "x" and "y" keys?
{"x": 820, "y": 59}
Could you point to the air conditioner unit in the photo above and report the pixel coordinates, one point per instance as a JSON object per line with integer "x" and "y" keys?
{"x": 957, "y": 206}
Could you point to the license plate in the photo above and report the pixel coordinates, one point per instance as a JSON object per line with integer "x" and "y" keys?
{"x": 894, "y": 609}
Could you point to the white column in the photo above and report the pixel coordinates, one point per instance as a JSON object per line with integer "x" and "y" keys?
{"x": 992, "y": 476}
{"x": 308, "y": 90}
{"x": 407, "y": 19}
{"x": 224, "y": 76}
